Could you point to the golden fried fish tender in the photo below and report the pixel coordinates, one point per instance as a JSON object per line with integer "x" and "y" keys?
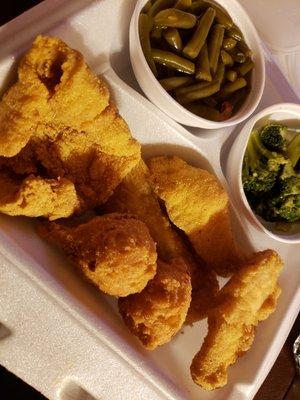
{"x": 196, "y": 203}
{"x": 157, "y": 313}
{"x": 134, "y": 195}
{"x": 57, "y": 121}
{"x": 115, "y": 252}
{"x": 248, "y": 297}
{"x": 36, "y": 197}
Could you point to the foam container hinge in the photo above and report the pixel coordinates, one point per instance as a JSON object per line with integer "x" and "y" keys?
{"x": 57, "y": 332}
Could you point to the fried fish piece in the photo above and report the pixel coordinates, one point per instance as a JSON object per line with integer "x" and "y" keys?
{"x": 57, "y": 121}
{"x": 196, "y": 203}
{"x": 134, "y": 195}
{"x": 115, "y": 252}
{"x": 248, "y": 297}
{"x": 157, "y": 313}
{"x": 36, "y": 197}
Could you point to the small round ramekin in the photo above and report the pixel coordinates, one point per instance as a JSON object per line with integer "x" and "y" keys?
{"x": 162, "y": 99}
{"x": 288, "y": 114}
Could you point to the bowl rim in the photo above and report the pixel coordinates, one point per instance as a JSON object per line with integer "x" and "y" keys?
{"x": 136, "y": 51}
{"x": 292, "y": 108}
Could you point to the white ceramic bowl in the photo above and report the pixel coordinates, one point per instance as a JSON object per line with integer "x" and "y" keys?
{"x": 166, "y": 103}
{"x": 288, "y": 114}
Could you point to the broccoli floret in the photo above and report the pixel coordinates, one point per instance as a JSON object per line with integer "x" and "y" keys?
{"x": 261, "y": 166}
{"x": 290, "y": 186}
{"x": 293, "y": 150}
{"x": 289, "y": 209}
{"x": 273, "y": 137}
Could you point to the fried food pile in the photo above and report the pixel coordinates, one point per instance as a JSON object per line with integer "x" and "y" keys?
{"x": 155, "y": 236}
{"x": 61, "y": 135}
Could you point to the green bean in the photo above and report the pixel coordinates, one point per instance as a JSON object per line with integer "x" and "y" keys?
{"x": 231, "y": 75}
{"x": 214, "y": 44}
{"x": 228, "y": 43}
{"x": 191, "y": 88}
{"x": 235, "y": 33}
{"x": 173, "y": 61}
{"x": 173, "y": 18}
{"x": 243, "y": 47}
{"x": 209, "y": 89}
{"x": 202, "y": 65}
{"x": 147, "y": 7}
{"x": 205, "y": 111}
{"x": 226, "y": 58}
{"x": 237, "y": 97}
{"x": 144, "y": 30}
{"x": 219, "y": 76}
{"x": 243, "y": 69}
{"x": 238, "y": 57}
{"x": 222, "y": 17}
{"x": 156, "y": 33}
{"x": 194, "y": 45}
{"x": 173, "y": 38}
{"x": 210, "y": 101}
{"x": 231, "y": 87}
{"x": 170, "y": 84}
{"x": 159, "y": 5}
{"x": 183, "y": 4}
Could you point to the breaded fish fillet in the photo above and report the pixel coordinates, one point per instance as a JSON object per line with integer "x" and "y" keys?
{"x": 157, "y": 313}
{"x": 115, "y": 252}
{"x": 36, "y": 197}
{"x": 134, "y": 195}
{"x": 248, "y": 297}
{"x": 57, "y": 121}
{"x": 196, "y": 203}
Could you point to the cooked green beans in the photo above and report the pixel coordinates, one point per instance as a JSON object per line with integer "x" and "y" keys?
{"x": 228, "y": 43}
{"x": 194, "y": 45}
{"x": 226, "y": 58}
{"x": 183, "y": 4}
{"x": 198, "y": 55}
{"x": 175, "y": 82}
{"x": 173, "y": 61}
{"x": 173, "y": 38}
{"x": 173, "y": 18}
{"x": 202, "y": 65}
{"x": 208, "y": 89}
{"x": 144, "y": 30}
{"x": 214, "y": 45}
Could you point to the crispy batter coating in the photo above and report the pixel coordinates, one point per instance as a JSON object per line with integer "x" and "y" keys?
{"x": 115, "y": 252}
{"x": 197, "y": 204}
{"x": 157, "y": 313}
{"x": 249, "y": 296}
{"x": 57, "y": 121}
{"x": 134, "y": 195}
{"x": 35, "y": 197}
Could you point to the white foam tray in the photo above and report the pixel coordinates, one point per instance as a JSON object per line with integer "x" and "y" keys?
{"x": 60, "y": 335}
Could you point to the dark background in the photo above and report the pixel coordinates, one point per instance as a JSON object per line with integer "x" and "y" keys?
{"x": 277, "y": 382}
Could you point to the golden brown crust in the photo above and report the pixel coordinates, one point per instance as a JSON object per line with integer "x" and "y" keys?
{"x": 115, "y": 252}
{"x": 57, "y": 121}
{"x": 134, "y": 195}
{"x": 157, "y": 313}
{"x": 248, "y": 297}
{"x": 196, "y": 203}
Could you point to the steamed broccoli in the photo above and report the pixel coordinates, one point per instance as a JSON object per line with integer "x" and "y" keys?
{"x": 293, "y": 150}
{"x": 273, "y": 136}
{"x": 260, "y": 167}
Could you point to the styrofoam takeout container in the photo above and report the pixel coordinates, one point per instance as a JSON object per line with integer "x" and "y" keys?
{"x": 289, "y": 115}
{"x": 163, "y": 100}
{"x": 57, "y": 332}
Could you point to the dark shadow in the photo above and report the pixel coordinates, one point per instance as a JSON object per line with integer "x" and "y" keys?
{"x": 4, "y": 332}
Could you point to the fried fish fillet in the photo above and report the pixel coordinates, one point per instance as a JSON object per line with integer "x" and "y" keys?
{"x": 157, "y": 313}
{"x": 57, "y": 122}
{"x": 37, "y": 197}
{"x": 196, "y": 203}
{"x": 134, "y": 195}
{"x": 115, "y": 252}
{"x": 248, "y": 297}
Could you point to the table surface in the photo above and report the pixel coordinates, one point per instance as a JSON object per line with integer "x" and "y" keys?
{"x": 275, "y": 386}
